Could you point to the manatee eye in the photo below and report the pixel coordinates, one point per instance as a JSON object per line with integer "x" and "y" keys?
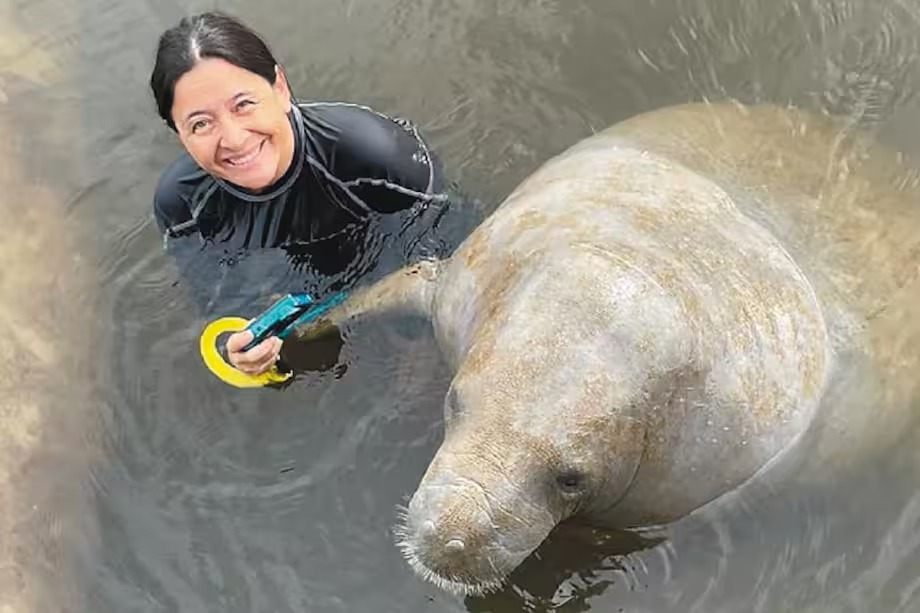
{"x": 570, "y": 481}
{"x": 452, "y": 408}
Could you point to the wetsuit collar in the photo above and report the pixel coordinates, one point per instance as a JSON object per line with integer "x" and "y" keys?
{"x": 287, "y": 179}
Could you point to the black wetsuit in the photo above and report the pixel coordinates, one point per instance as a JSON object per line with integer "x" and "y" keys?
{"x": 350, "y": 164}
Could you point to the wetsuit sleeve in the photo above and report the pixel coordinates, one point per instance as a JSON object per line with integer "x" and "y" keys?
{"x": 381, "y": 162}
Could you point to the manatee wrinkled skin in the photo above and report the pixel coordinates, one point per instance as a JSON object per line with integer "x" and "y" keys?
{"x": 651, "y": 319}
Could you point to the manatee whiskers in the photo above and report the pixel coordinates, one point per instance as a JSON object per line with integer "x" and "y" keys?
{"x": 453, "y": 583}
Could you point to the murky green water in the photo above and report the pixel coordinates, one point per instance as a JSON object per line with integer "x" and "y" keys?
{"x": 132, "y": 480}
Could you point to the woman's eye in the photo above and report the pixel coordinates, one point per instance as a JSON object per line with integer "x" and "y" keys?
{"x": 199, "y": 125}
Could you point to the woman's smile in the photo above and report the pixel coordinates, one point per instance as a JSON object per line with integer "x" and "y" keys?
{"x": 246, "y": 159}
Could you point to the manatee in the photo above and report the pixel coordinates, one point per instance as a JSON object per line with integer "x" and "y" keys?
{"x": 651, "y": 321}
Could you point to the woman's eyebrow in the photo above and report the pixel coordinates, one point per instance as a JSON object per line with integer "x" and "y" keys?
{"x": 239, "y": 95}
{"x": 233, "y": 98}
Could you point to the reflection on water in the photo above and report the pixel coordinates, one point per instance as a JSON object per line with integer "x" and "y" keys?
{"x": 134, "y": 481}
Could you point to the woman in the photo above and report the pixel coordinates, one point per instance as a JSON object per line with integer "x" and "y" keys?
{"x": 262, "y": 171}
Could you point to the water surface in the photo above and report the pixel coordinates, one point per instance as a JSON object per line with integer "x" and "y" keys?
{"x": 133, "y": 480}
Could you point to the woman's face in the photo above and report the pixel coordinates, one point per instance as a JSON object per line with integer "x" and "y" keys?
{"x": 234, "y": 123}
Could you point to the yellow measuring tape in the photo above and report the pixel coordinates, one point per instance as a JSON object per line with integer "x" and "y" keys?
{"x": 224, "y": 371}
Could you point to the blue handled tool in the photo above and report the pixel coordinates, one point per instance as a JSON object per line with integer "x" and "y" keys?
{"x": 278, "y": 320}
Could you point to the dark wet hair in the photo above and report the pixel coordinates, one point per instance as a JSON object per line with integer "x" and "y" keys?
{"x": 208, "y": 35}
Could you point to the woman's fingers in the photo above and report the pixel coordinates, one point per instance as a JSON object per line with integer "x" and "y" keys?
{"x": 238, "y": 340}
{"x": 258, "y": 359}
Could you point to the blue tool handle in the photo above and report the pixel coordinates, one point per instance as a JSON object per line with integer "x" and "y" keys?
{"x": 275, "y": 320}
{"x": 286, "y": 314}
{"x": 318, "y": 309}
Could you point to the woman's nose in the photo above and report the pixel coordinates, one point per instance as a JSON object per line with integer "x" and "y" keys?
{"x": 232, "y": 134}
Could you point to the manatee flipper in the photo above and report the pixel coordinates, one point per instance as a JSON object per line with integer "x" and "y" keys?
{"x": 410, "y": 289}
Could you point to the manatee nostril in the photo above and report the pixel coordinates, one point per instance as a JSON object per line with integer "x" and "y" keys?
{"x": 454, "y": 546}
{"x": 428, "y": 528}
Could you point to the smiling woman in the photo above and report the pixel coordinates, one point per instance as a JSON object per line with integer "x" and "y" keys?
{"x": 261, "y": 171}
{"x": 241, "y": 136}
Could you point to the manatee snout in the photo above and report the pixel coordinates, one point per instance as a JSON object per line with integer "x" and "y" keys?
{"x": 459, "y": 536}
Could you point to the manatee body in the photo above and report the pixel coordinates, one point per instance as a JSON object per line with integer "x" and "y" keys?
{"x": 650, "y": 319}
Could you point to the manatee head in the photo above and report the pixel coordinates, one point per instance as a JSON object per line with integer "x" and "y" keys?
{"x": 542, "y": 423}
{"x": 497, "y": 488}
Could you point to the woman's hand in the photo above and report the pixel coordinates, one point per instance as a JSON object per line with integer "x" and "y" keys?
{"x": 258, "y": 359}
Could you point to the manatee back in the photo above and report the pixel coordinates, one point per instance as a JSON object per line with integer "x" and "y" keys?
{"x": 847, "y": 210}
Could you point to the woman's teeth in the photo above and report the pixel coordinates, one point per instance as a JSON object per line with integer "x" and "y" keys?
{"x": 245, "y": 159}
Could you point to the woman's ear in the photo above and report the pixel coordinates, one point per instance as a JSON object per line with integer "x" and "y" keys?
{"x": 282, "y": 89}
